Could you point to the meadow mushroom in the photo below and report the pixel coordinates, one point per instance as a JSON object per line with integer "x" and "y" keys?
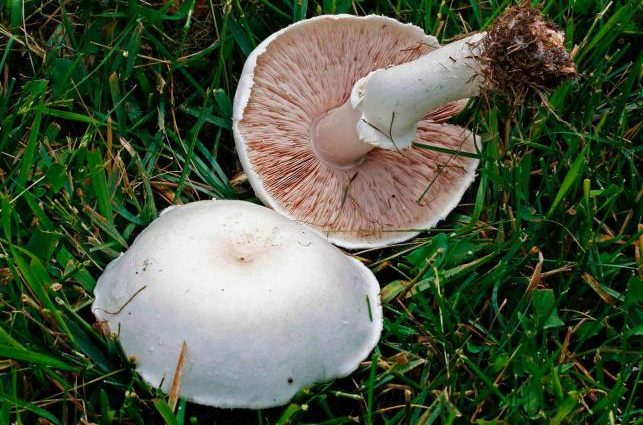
{"x": 327, "y": 109}
{"x": 263, "y": 305}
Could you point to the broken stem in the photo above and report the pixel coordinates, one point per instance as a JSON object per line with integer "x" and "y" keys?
{"x": 521, "y": 52}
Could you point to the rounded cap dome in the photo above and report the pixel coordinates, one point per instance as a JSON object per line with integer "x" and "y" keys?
{"x": 264, "y": 305}
{"x": 300, "y": 73}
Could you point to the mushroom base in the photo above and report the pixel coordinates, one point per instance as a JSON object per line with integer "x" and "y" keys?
{"x": 524, "y": 53}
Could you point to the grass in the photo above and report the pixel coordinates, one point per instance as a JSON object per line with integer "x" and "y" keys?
{"x": 525, "y": 305}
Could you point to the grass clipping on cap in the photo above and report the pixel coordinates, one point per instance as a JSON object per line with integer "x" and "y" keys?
{"x": 523, "y": 53}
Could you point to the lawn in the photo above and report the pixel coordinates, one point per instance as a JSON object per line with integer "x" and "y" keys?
{"x": 524, "y": 306}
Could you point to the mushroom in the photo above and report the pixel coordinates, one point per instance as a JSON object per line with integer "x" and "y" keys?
{"x": 327, "y": 109}
{"x": 263, "y": 305}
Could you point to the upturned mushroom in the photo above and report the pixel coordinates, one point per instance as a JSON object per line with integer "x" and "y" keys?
{"x": 327, "y": 110}
{"x": 262, "y": 305}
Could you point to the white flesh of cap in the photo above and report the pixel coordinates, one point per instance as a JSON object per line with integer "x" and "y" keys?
{"x": 264, "y": 305}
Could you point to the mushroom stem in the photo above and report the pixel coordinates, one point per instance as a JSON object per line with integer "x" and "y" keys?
{"x": 521, "y": 52}
{"x": 393, "y": 100}
{"x": 386, "y": 105}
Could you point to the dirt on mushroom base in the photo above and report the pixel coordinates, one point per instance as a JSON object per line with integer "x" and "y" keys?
{"x": 515, "y": 68}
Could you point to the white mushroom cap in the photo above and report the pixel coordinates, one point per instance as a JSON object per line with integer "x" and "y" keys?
{"x": 264, "y": 305}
